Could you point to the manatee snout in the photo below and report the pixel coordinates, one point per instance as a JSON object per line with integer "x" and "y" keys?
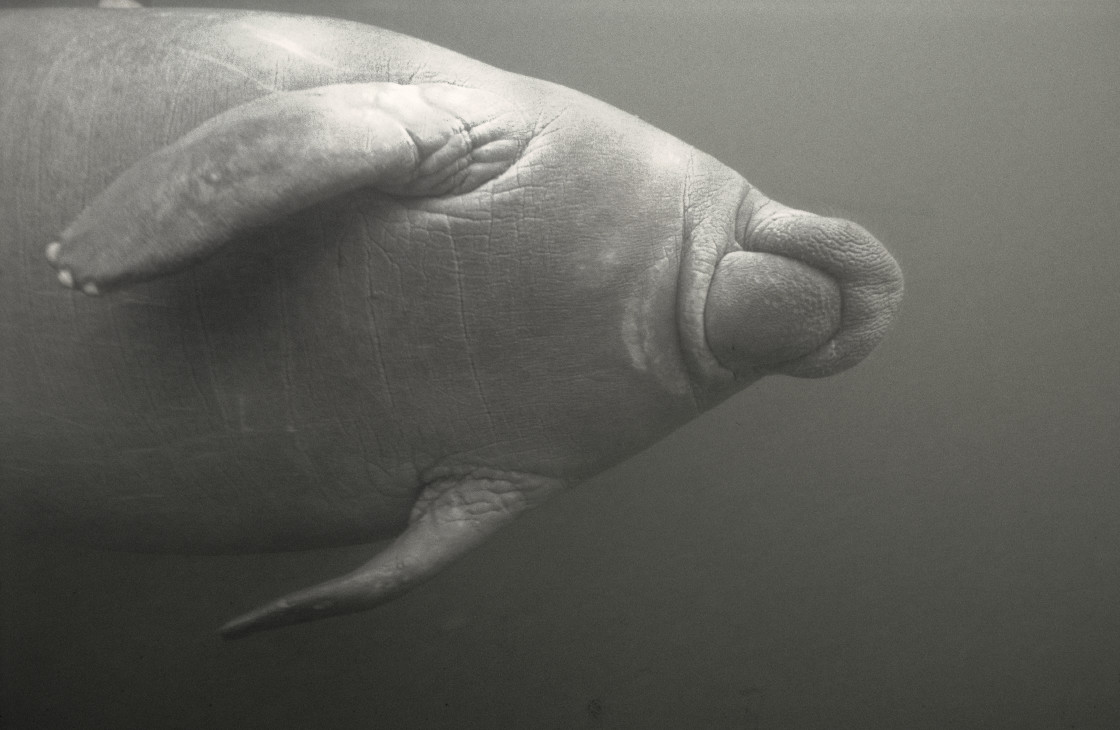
{"x": 807, "y": 296}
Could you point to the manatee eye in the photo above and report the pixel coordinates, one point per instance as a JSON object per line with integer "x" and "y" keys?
{"x": 763, "y": 310}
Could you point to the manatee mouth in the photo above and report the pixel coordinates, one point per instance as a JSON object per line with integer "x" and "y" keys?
{"x": 766, "y": 289}
{"x": 764, "y": 310}
{"x": 806, "y": 295}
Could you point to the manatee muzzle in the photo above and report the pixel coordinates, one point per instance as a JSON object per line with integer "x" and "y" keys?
{"x": 809, "y": 296}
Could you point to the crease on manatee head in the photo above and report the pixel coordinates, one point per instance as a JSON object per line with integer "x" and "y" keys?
{"x": 652, "y": 348}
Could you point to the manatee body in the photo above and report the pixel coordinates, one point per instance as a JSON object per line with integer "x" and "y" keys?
{"x": 354, "y": 285}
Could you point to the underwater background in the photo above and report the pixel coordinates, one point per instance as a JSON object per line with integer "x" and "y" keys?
{"x": 929, "y": 540}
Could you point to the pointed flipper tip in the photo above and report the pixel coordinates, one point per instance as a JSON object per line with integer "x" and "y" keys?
{"x": 270, "y": 616}
{"x": 240, "y": 627}
{"x": 443, "y": 531}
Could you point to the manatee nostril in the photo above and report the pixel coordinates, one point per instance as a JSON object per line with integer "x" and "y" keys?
{"x": 763, "y": 309}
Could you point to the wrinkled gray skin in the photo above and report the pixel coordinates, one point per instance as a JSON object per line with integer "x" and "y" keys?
{"x": 416, "y": 298}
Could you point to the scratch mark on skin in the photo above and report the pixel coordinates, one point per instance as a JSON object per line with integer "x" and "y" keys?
{"x": 687, "y": 227}
{"x": 289, "y": 45}
{"x": 371, "y": 312}
{"x": 463, "y": 325}
{"x": 229, "y": 67}
{"x": 173, "y": 111}
{"x": 209, "y": 352}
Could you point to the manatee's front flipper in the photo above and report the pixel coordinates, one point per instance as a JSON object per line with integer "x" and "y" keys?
{"x": 260, "y": 161}
{"x": 451, "y": 517}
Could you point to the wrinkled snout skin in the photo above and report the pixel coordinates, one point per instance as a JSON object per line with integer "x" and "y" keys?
{"x": 300, "y": 387}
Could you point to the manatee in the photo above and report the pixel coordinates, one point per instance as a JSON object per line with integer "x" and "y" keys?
{"x": 326, "y": 284}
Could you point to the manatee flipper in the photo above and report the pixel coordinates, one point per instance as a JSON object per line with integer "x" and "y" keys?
{"x": 262, "y": 160}
{"x": 452, "y": 516}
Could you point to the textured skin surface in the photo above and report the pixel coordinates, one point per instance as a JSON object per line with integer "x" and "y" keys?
{"x": 759, "y": 312}
{"x": 301, "y": 386}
